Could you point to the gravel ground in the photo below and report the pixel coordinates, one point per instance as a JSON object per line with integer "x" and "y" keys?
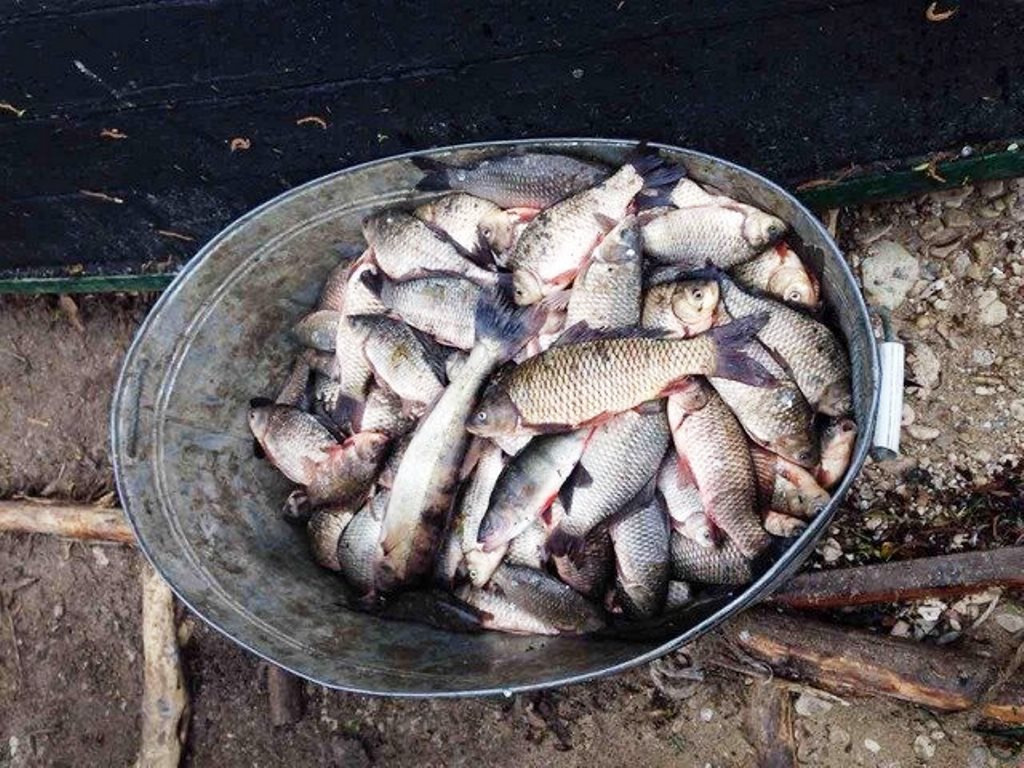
{"x": 950, "y": 267}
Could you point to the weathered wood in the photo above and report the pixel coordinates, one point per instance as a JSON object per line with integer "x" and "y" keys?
{"x": 853, "y": 662}
{"x": 769, "y": 725}
{"x": 1007, "y": 705}
{"x": 71, "y": 521}
{"x": 943, "y": 576}
{"x": 120, "y": 115}
{"x": 165, "y": 707}
{"x": 286, "y": 696}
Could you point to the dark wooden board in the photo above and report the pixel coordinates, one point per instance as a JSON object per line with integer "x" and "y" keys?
{"x": 796, "y": 89}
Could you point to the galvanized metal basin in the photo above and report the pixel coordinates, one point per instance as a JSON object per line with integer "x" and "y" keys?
{"x": 207, "y": 514}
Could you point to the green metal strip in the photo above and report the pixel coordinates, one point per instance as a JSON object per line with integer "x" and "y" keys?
{"x": 86, "y": 284}
{"x": 912, "y": 181}
{"x": 830, "y": 193}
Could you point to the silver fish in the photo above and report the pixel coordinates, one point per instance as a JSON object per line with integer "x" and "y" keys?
{"x": 548, "y": 598}
{"x": 622, "y": 456}
{"x": 426, "y": 480}
{"x": 293, "y": 441}
{"x": 359, "y": 549}
{"x": 527, "y": 179}
{"x": 724, "y": 565}
{"x": 405, "y": 248}
{"x": 325, "y": 528}
{"x": 641, "y": 542}
{"x": 440, "y": 305}
{"x": 502, "y": 614}
{"x": 401, "y": 361}
{"x": 528, "y": 484}
{"x": 682, "y": 500}
{"x": 606, "y": 292}
{"x": 815, "y": 357}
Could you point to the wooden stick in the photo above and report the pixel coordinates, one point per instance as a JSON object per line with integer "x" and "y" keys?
{"x": 944, "y": 576}
{"x": 769, "y": 725}
{"x": 854, "y": 662}
{"x": 1007, "y": 706}
{"x": 287, "y": 697}
{"x": 71, "y": 521}
{"x": 165, "y": 709}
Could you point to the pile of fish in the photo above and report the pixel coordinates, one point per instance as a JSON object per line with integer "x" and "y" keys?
{"x": 559, "y": 394}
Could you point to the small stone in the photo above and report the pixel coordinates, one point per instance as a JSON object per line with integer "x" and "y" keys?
{"x": 931, "y": 610}
{"x": 991, "y": 189}
{"x": 908, "y": 415}
{"x": 993, "y": 314}
{"x": 960, "y": 265}
{"x": 924, "y": 747}
{"x": 707, "y": 714}
{"x": 956, "y": 217}
{"x": 838, "y": 736}
{"x": 978, "y": 758}
{"x": 943, "y": 251}
{"x": 872, "y": 746}
{"x": 924, "y": 322}
{"x": 925, "y": 367}
{"x": 989, "y": 212}
{"x": 987, "y": 297}
{"x": 984, "y": 252}
{"x": 831, "y": 551}
{"x": 1017, "y": 409}
{"x": 889, "y": 273}
{"x": 1011, "y": 622}
{"x": 100, "y": 557}
{"x": 945, "y": 236}
{"x": 58, "y": 610}
{"x": 809, "y": 705}
{"x": 900, "y": 629}
{"x": 930, "y": 229}
{"x": 975, "y": 273}
{"x": 922, "y": 433}
{"x": 983, "y": 357}
{"x": 952, "y": 198}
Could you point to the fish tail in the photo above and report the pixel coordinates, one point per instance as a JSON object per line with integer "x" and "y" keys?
{"x": 731, "y": 361}
{"x": 501, "y": 322}
{"x": 373, "y": 281}
{"x": 436, "y": 176}
{"x": 656, "y": 170}
{"x": 348, "y": 411}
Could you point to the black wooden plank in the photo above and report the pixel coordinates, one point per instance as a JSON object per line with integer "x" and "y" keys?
{"x": 793, "y": 89}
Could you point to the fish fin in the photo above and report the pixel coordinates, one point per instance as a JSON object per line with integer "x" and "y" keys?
{"x": 658, "y": 197}
{"x": 499, "y": 320}
{"x": 436, "y": 175}
{"x": 348, "y": 410}
{"x": 257, "y": 450}
{"x": 685, "y": 472}
{"x": 479, "y": 255}
{"x": 524, "y": 215}
{"x": 680, "y": 384}
{"x": 348, "y": 252}
{"x": 373, "y": 281}
{"x": 580, "y": 332}
{"x": 656, "y": 170}
{"x": 556, "y": 302}
{"x": 260, "y": 402}
{"x": 434, "y": 354}
{"x": 578, "y": 478}
{"x": 606, "y": 222}
{"x": 562, "y": 544}
{"x": 297, "y": 507}
{"x": 732, "y": 362}
{"x": 651, "y": 407}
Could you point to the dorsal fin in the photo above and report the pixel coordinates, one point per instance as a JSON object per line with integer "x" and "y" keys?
{"x": 581, "y": 332}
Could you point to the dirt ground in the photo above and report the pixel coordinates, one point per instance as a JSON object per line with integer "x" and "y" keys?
{"x": 70, "y": 678}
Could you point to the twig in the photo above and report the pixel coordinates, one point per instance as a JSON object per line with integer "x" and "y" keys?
{"x": 14, "y": 640}
{"x": 6, "y": 106}
{"x": 75, "y": 522}
{"x": 101, "y": 196}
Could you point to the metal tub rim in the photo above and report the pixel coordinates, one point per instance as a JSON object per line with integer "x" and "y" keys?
{"x": 124, "y": 410}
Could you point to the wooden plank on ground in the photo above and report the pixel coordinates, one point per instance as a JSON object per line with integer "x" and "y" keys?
{"x": 71, "y": 521}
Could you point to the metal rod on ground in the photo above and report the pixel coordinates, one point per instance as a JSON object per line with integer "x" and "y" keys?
{"x": 71, "y": 521}
{"x": 942, "y": 576}
{"x": 165, "y": 708}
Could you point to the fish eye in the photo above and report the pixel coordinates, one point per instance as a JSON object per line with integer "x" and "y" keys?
{"x": 486, "y": 232}
{"x": 794, "y": 295}
{"x": 481, "y": 417}
{"x": 698, "y": 294}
